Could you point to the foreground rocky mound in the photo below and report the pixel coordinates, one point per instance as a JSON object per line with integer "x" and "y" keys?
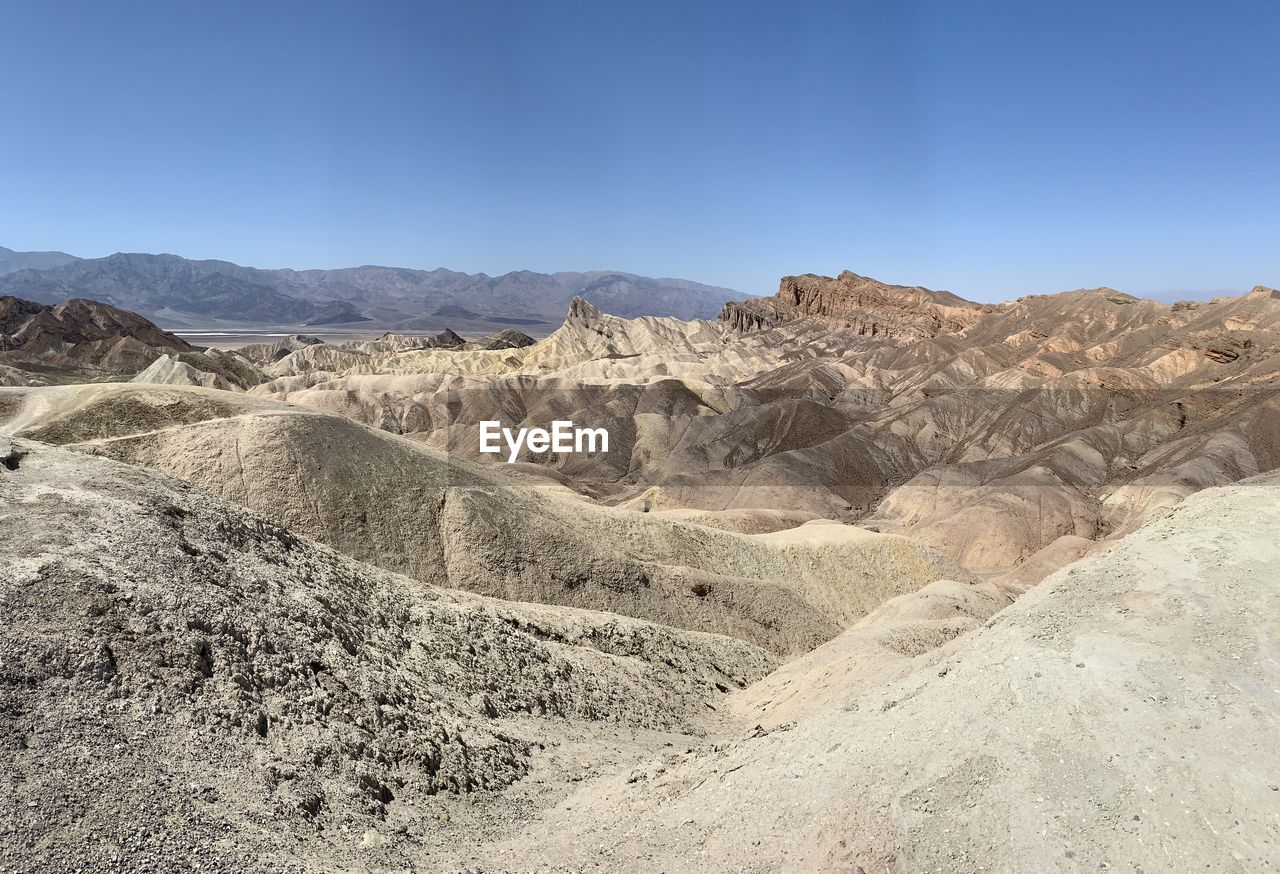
{"x": 183, "y": 682}
{"x": 1122, "y": 716}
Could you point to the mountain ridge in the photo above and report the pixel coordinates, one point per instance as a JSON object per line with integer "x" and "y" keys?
{"x": 170, "y": 287}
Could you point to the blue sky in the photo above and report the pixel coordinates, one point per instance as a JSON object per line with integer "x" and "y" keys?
{"x": 993, "y": 149}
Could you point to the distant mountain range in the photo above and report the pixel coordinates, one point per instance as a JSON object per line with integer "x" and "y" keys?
{"x": 178, "y": 292}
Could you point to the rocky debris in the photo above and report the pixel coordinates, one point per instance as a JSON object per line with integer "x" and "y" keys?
{"x": 186, "y": 682}
{"x": 10, "y": 455}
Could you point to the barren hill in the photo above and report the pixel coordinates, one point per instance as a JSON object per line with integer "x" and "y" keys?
{"x": 182, "y": 291}
{"x": 81, "y": 340}
{"x": 869, "y": 307}
{"x": 11, "y": 261}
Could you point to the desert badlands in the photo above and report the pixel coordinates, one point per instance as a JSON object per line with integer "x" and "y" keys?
{"x": 869, "y": 579}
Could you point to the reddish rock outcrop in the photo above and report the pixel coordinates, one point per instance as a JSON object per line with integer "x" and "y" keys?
{"x": 870, "y": 307}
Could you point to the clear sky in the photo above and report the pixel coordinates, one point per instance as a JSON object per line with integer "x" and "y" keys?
{"x": 993, "y": 149}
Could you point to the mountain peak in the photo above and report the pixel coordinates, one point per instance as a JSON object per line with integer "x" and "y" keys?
{"x": 582, "y": 312}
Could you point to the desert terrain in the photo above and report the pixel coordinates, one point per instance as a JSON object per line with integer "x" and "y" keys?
{"x": 871, "y": 578}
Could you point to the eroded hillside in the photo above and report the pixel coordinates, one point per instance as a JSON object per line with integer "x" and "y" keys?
{"x": 295, "y": 619}
{"x": 414, "y": 510}
{"x": 1010, "y": 437}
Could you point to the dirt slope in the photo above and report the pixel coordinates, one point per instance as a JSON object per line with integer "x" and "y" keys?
{"x": 1121, "y": 716}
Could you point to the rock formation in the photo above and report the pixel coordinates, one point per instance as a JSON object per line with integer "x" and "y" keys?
{"x": 868, "y": 307}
